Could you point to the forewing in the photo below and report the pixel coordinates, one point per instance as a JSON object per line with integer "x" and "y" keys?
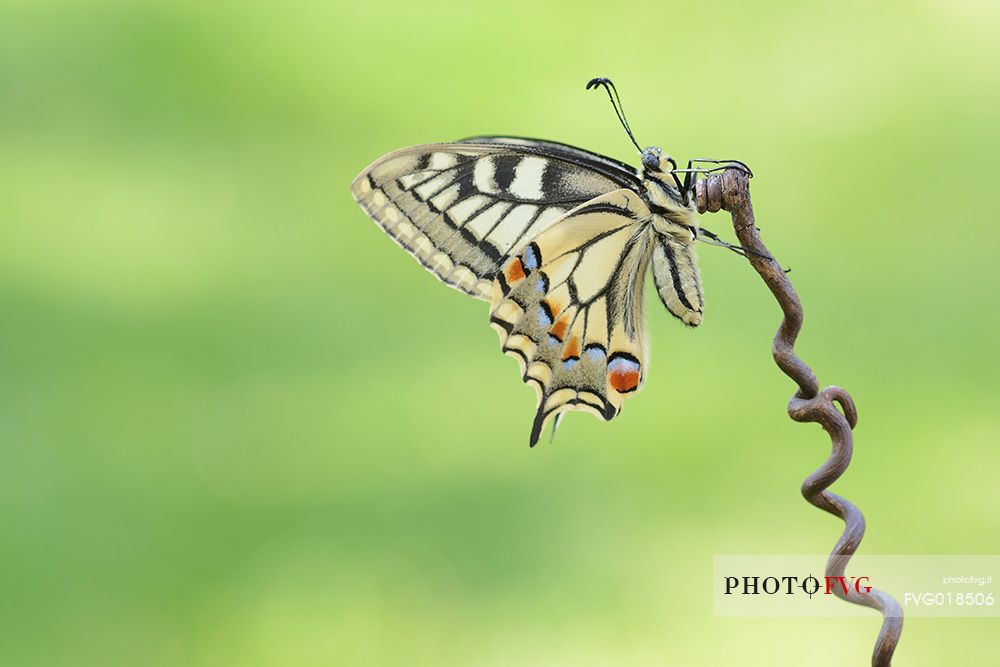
{"x": 461, "y": 209}
{"x": 623, "y": 174}
{"x": 568, "y": 307}
{"x": 678, "y": 282}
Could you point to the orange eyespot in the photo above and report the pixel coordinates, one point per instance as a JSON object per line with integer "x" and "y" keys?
{"x": 515, "y": 271}
{"x": 623, "y": 372}
{"x": 559, "y": 328}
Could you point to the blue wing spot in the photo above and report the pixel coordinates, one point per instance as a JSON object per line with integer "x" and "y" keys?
{"x": 595, "y": 353}
{"x": 570, "y": 363}
{"x": 532, "y": 258}
{"x": 623, "y": 365}
{"x": 544, "y": 315}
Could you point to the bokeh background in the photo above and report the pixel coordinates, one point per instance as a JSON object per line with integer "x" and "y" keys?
{"x": 239, "y": 426}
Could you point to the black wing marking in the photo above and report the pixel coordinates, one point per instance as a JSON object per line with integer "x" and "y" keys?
{"x": 461, "y": 209}
{"x": 625, "y": 175}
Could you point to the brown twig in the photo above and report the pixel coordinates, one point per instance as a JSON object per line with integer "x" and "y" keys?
{"x": 730, "y": 191}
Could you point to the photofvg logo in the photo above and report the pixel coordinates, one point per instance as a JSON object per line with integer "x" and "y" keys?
{"x": 788, "y": 585}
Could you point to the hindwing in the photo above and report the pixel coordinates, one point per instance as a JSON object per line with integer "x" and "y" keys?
{"x": 461, "y": 209}
{"x": 568, "y": 307}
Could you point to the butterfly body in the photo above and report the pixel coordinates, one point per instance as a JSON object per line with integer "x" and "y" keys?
{"x": 559, "y": 241}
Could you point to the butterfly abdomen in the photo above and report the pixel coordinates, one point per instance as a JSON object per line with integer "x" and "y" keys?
{"x": 677, "y": 279}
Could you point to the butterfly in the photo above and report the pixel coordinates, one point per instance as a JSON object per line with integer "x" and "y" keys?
{"x": 558, "y": 239}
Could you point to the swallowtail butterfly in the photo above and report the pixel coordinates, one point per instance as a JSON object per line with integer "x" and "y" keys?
{"x": 558, "y": 240}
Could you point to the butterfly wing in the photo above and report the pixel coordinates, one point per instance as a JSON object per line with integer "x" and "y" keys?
{"x": 461, "y": 209}
{"x": 568, "y": 307}
{"x": 621, "y": 173}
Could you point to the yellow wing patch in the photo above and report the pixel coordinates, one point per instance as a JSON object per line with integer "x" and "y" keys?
{"x": 569, "y": 308}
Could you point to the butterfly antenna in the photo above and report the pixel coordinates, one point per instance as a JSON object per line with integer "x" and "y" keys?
{"x": 616, "y": 103}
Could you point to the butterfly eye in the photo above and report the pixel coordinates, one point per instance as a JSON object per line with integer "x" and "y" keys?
{"x": 650, "y": 160}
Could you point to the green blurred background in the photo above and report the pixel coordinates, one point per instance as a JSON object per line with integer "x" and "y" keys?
{"x": 239, "y": 426}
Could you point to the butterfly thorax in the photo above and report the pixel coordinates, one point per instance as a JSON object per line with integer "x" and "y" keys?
{"x": 671, "y": 215}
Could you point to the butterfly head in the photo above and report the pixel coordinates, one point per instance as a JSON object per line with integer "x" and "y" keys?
{"x": 660, "y": 169}
{"x": 655, "y": 162}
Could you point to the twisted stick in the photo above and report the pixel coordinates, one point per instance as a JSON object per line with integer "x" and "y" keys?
{"x": 730, "y": 190}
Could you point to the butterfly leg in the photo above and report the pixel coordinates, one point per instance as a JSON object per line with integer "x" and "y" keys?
{"x": 717, "y": 240}
{"x": 724, "y": 164}
{"x": 691, "y": 170}
{"x": 689, "y": 174}
{"x": 739, "y": 250}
